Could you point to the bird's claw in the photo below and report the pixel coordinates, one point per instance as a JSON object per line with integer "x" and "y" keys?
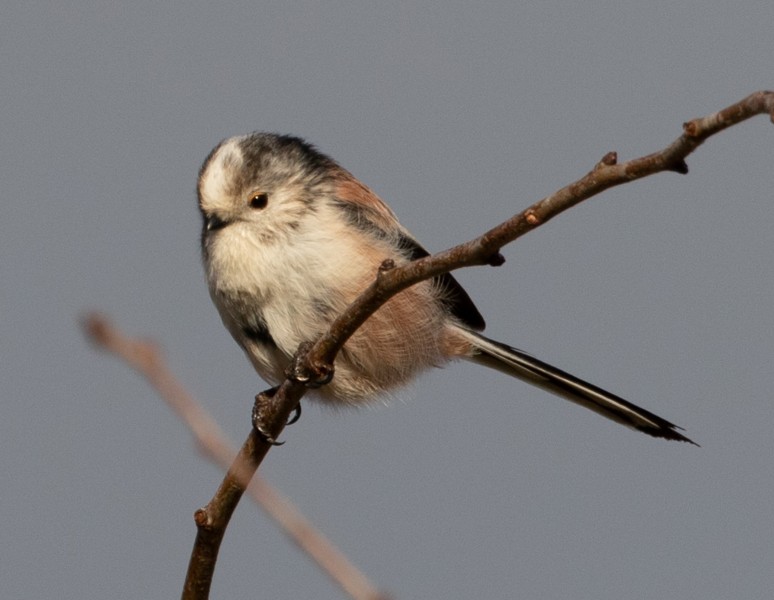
{"x": 261, "y": 408}
{"x": 295, "y": 416}
{"x": 262, "y": 404}
{"x": 265, "y": 436}
{"x": 312, "y": 376}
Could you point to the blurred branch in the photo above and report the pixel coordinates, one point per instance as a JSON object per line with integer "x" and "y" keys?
{"x": 145, "y": 357}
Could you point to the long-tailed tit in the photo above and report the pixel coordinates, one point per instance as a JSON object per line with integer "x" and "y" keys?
{"x": 290, "y": 239}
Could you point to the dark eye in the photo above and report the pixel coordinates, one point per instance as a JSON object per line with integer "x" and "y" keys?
{"x": 259, "y": 200}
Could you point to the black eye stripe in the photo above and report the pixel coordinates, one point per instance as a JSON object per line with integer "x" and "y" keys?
{"x": 259, "y": 201}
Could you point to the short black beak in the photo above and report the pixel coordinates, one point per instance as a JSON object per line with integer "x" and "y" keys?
{"x": 213, "y": 222}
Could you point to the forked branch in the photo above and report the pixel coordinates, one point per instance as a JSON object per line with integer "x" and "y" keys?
{"x": 483, "y": 250}
{"x": 318, "y": 362}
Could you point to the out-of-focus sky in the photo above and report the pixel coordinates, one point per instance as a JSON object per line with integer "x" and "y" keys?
{"x": 458, "y": 114}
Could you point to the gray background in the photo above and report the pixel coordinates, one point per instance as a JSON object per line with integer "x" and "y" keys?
{"x": 458, "y": 114}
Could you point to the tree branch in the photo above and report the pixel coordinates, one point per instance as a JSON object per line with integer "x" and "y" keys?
{"x": 607, "y": 173}
{"x": 317, "y": 362}
{"x": 484, "y": 250}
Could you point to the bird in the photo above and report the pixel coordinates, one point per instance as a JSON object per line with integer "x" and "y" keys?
{"x": 290, "y": 238}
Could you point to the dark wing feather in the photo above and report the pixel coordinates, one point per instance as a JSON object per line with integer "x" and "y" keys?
{"x": 366, "y": 211}
{"x": 457, "y": 299}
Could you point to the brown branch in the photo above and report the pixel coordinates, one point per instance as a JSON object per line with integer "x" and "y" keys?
{"x": 607, "y": 173}
{"x": 211, "y": 521}
{"x": 316, "y": 364}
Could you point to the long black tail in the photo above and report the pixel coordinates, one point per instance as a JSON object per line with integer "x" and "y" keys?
{"x": 521, "y": 365}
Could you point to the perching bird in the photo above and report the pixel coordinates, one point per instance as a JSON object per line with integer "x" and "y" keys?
{"x": 290, "y": 239}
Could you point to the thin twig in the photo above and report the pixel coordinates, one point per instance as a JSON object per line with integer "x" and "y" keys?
{"x": 147, "y": 360}
{"x": 484, "y": 250}
{"x": 318, "y": 362}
